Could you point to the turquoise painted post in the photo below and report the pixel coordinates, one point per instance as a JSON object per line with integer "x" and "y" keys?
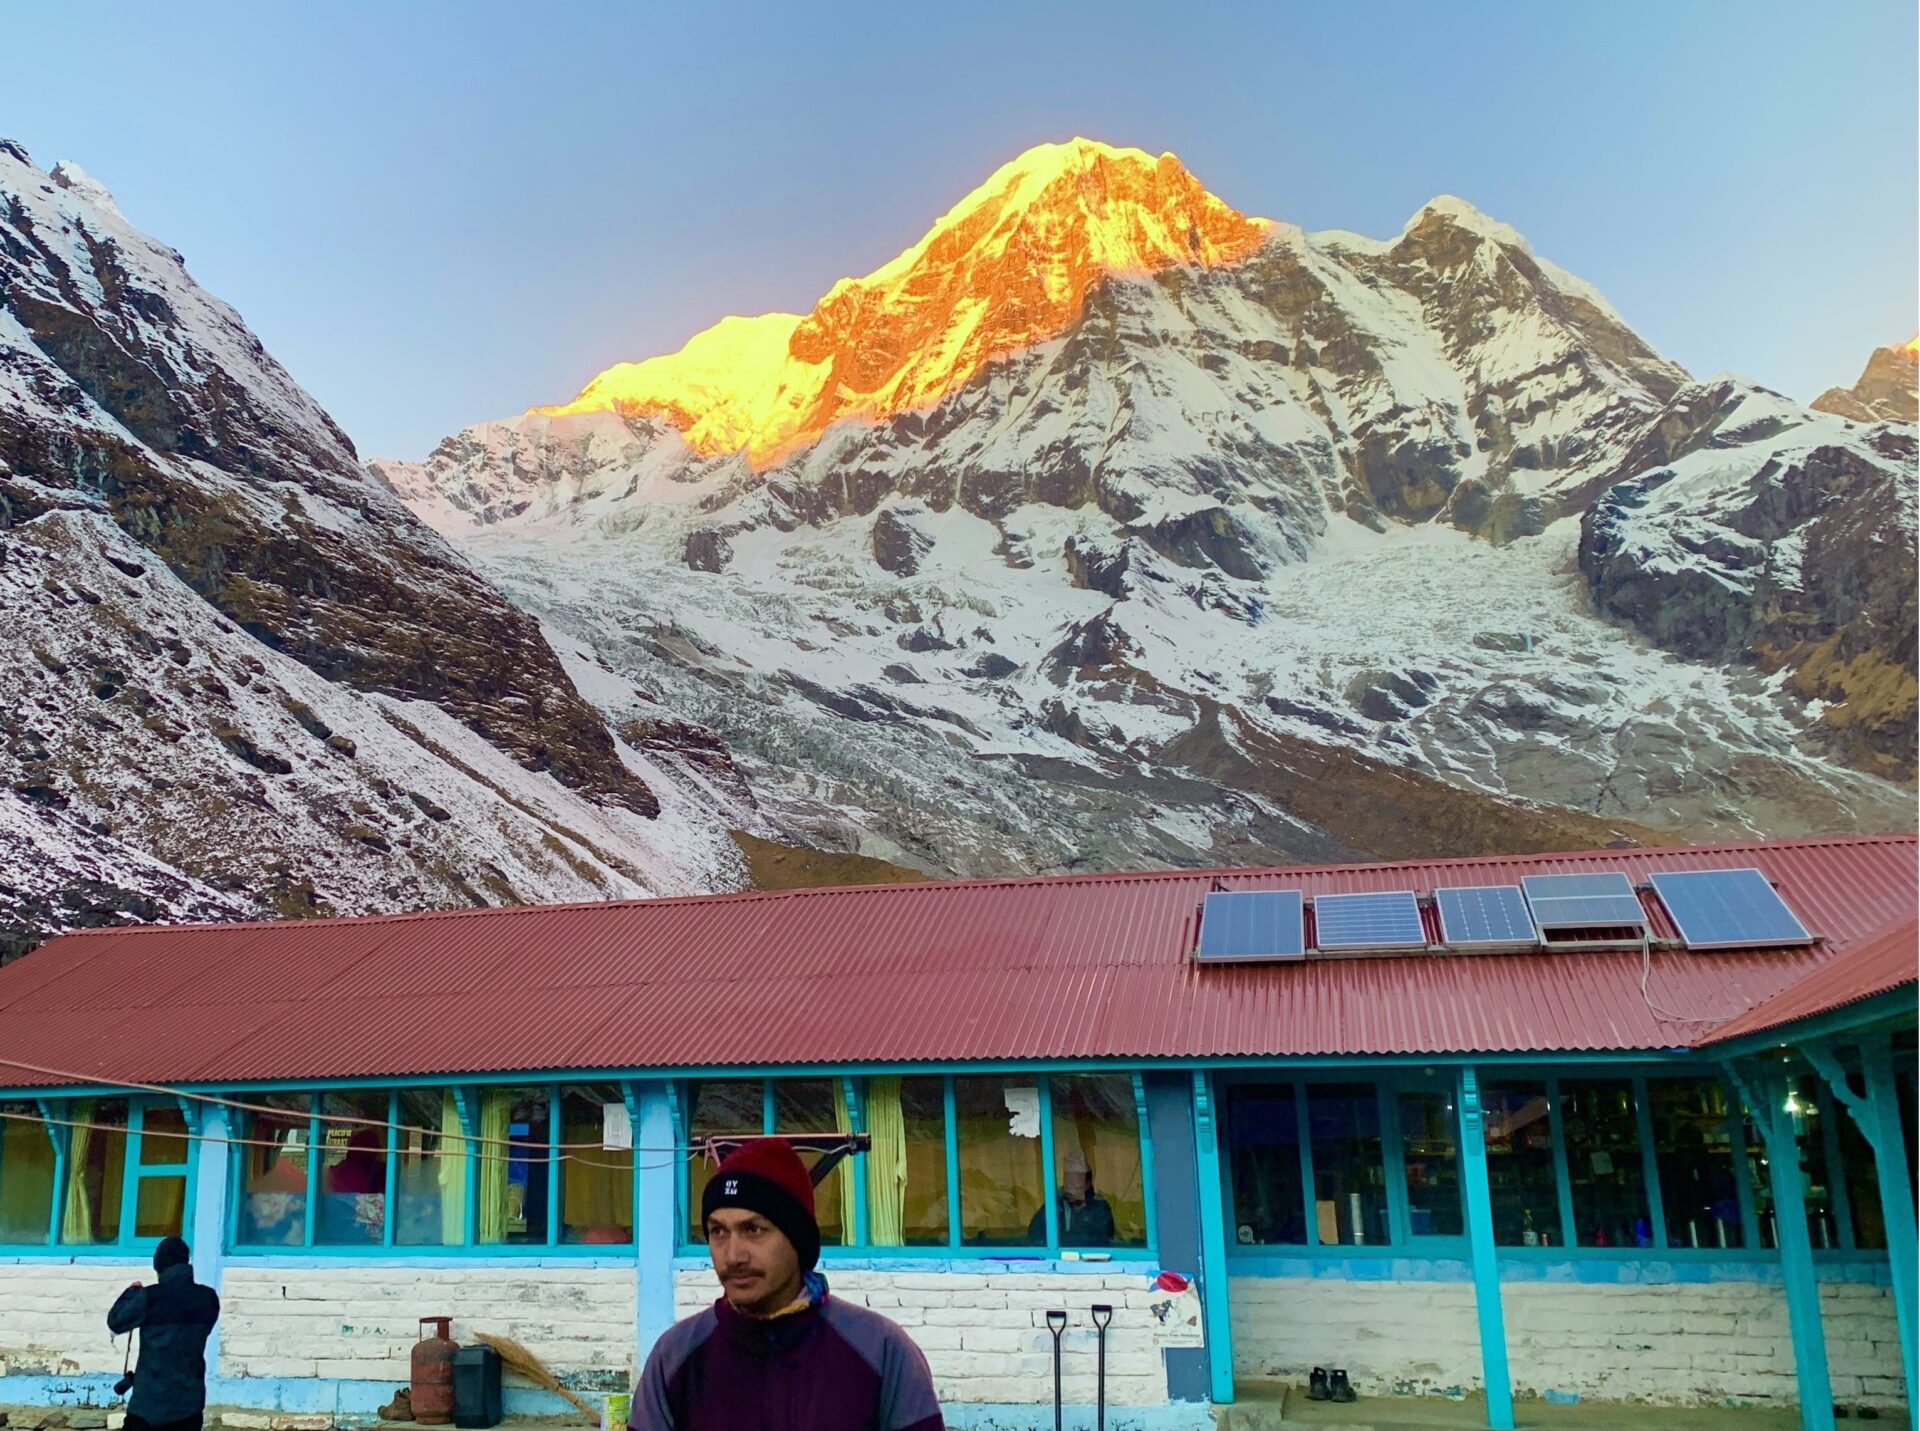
{"x": 1896, "y": 1204}
{"x": 855, "y": 1164}
{"x": 60, "y": 1133}
{"x": 207, "y": 1226}
{"x": 1047, "y": 1178}
{"x": 1213, "y": 1240}
{"x": 1486, "y": 1264}
{"x": 1766, "y": 1100}
{"x": 1650, "y": 1163}
{"x": 1148, "y": 1191}
{"x": 656, "y": 1228}
{"x": 951, "y": 1113}
{"x": 1562, "y": 1182}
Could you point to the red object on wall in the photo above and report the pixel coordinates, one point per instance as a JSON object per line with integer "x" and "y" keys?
{"x": 433, "y": 1374}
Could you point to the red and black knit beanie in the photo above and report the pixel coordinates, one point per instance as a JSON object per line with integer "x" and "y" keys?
{"x": 766, "y": 1176}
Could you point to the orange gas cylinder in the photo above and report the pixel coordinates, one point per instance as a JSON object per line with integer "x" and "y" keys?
{"x": 433, "y": 1374}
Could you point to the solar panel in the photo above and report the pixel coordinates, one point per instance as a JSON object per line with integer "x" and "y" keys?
{"x": 1252, "y": 924}
{"x": 1728, "y": 909}
{"x": 1583, "y": 901}
{"x": 1485, "y": 916}
{"x": 1369, "y": 921}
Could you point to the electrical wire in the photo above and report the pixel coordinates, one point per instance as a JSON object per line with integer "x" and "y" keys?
{"x": 1668, "y": 1015}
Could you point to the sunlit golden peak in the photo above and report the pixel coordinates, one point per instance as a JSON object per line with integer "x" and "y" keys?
{"x": 1912, "y": 346}
{"x": 1007, "y": 267}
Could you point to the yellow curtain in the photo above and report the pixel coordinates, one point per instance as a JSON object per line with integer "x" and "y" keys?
{"x": 886, "y": 1164}
{"x": 496, "y": 1108}
{"x": 76, "y": 1222}
{"x": 596, "y": 1184}
{"x": 452, "y": 1173}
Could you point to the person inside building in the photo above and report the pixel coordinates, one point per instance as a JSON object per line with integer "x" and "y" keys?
{"x": 174, "y": 1317}
{"x": 1086, "y": 1218}
{"x": 777, "y": 1351}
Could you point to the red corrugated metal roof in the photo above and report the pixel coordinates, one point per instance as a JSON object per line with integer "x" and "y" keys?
{"x": 1874, "y": 967}
{"x": 1079, "y": 967}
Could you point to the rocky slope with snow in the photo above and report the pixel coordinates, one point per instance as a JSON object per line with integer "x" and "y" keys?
{"x": 1109, "y": 526}
{"x": 237, "y": 676}
{"x": 1888, "y": 389}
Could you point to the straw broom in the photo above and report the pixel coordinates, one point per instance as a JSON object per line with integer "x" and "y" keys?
{"x": 515, "y": 1357}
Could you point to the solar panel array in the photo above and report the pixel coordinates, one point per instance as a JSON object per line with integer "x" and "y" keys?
{"x": 1711, "y": 909}
{"x": 1389, "y": 920}
{"x": 1252, "y": 924}
{"x": 1485, "y": 916}
{"x": 1728, "y": 909}
{"x": 1583, "y": 901}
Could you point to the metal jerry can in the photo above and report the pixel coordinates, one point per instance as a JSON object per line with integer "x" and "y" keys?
{"x": 433, "y": 1374}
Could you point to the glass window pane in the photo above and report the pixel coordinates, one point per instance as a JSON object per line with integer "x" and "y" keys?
{"x": 96, "y": 1170}
{"x": 273, "y": 1177}
{"x": 1263, "y": 1142}
{"x": 515, "y": 1160}
{"x": 596, "y": 1182}
{"x": 163, "y": 1137}
{"x": 1002, "y": 1184}
{"x": 1863, "y": 1183}
{"x": 1526, "y": 1204}
{"x": 160, "y": 1207}
{"x": 1698, "y": 1194}
{"x": 1349, "y": 1180}
{"x": 1605, "y": 1170}
{"x": 353, "y": 1171}
{"x": 1815, "y": 1185}
{"x": 819, "y": 1105}
{"x": 1430, "y": 1153}
{"x": 1096, "y": 1156}
{"x": 430, "y": 1183}
{"x": 26, "y": 1174}
{"x": 730, "y": 1106}
{"x": 907, "y": 1166}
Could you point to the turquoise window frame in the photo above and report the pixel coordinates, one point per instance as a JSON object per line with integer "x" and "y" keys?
{"x": 856, "y": 1163}
{"x": 1390, "y": 1080}
{"x": 466, "y": 1097}
{"x": 125, "y": 1242}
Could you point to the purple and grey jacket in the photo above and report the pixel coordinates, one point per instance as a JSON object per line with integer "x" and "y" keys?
{"x": 827, "y": 1366}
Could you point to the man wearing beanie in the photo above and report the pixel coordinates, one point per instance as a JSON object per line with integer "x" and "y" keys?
{"x": 174, "y": 1318}
{"x": 777, "y": 1352}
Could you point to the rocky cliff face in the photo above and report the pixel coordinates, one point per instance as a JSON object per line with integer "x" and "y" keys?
{"x": 1245, "y": 551}
{"x": 239, "y": 676}
{"x": 1888, "y": 389}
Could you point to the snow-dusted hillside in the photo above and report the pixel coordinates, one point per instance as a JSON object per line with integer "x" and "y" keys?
{"x": 1275, "y": 552}
{"x": 237, "y": 677}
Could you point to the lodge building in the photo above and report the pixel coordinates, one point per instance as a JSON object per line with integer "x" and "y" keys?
{"x": 1625, "y": 1125}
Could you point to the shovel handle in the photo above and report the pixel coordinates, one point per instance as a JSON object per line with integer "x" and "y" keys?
{"x": 1102, "y": 1314}
{"x": 1056, "y": 1323}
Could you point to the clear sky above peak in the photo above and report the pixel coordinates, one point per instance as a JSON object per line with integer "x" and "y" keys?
{"x": 435, "y": 215}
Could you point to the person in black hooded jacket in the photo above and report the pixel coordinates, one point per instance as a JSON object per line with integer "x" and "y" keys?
{"x": 174, "y": 1318}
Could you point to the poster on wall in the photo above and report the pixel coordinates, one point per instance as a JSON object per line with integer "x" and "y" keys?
{"x": 1174, "y": 1310}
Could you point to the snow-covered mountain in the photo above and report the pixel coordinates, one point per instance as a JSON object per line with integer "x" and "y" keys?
{"x": 1108, "y": 525}
{"x": 1888, "y": 389}
{"x": 236, "y": 676}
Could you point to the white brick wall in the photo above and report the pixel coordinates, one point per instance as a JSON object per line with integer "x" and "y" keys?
{"x": 985, "y": 1333}
{"x": 361, "y": 1322}
{"x": 53, "y": 1316}
{"x": 1672, "y": 1343}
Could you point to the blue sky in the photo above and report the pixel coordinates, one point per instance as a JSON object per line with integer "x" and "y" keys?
{"x": 436, "y": 214}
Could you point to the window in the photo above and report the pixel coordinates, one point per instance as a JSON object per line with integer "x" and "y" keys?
{"x": 1863, "y": 1183}
{"x": 819, "y": 1105}
{"x": 514, "y": 1157}
{"x": 596, "y": 1182}
{"x": 273, "y": 1181}
{"x": 1430, "y": 1160}
{"x": 430, "y": 1176}
{"x": 160, "y": 1172}
{"x": 1693, "y": 1148}
{"x": 352, "y": 1209}
{"x": 735, "y": 1106}
{"x": 1002, "y": 1192}
{"x": 1098, "y": 1189}
{"x": 1349, "y": 1185}
{"x": 96, "y": 1172}
{"x": 1816, "y": 1181}
{"x": 907, "y": 1166}
{"x": 26, "y": 1175}
{"x": 1601, "y": 1125}
{"x": 1520, "y": 1173}
{"x": 1263, "y": 1136}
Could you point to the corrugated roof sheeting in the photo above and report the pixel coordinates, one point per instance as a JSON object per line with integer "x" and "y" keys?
{"x": 1081, "y": 967}
{"x": 1876, "y": 966}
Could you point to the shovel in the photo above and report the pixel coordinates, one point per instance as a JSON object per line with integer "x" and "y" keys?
{"x": 1102, "y": 1315}
{"x": 1056, "y": 1323}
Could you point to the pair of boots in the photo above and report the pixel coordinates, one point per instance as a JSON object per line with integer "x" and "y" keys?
{"x": 1324, "y": 1385}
